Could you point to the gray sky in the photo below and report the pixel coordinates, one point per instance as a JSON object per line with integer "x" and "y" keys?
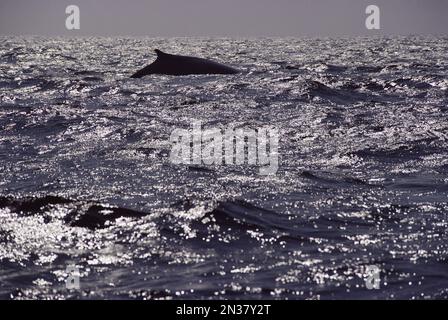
{"x": 238, "y": 18}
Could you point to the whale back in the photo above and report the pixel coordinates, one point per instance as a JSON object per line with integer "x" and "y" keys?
{"x": 176, "y": 65}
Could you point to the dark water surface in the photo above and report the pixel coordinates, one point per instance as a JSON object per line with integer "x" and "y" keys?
{"x": 86, "y": 178}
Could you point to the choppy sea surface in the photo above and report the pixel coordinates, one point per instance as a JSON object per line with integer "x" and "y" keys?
{"x": 86, "y": 178}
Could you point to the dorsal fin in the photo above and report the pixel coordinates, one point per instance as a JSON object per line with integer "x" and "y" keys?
{"x": 160, "y": 54}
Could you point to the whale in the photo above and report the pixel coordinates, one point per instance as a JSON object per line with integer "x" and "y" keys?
{"x": 176, "y": 65}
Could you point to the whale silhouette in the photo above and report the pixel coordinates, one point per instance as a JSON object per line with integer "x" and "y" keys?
{"x": 169, "y": 64}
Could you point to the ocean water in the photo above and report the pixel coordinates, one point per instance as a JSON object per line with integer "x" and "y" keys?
{"x": 86, "y": 178}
